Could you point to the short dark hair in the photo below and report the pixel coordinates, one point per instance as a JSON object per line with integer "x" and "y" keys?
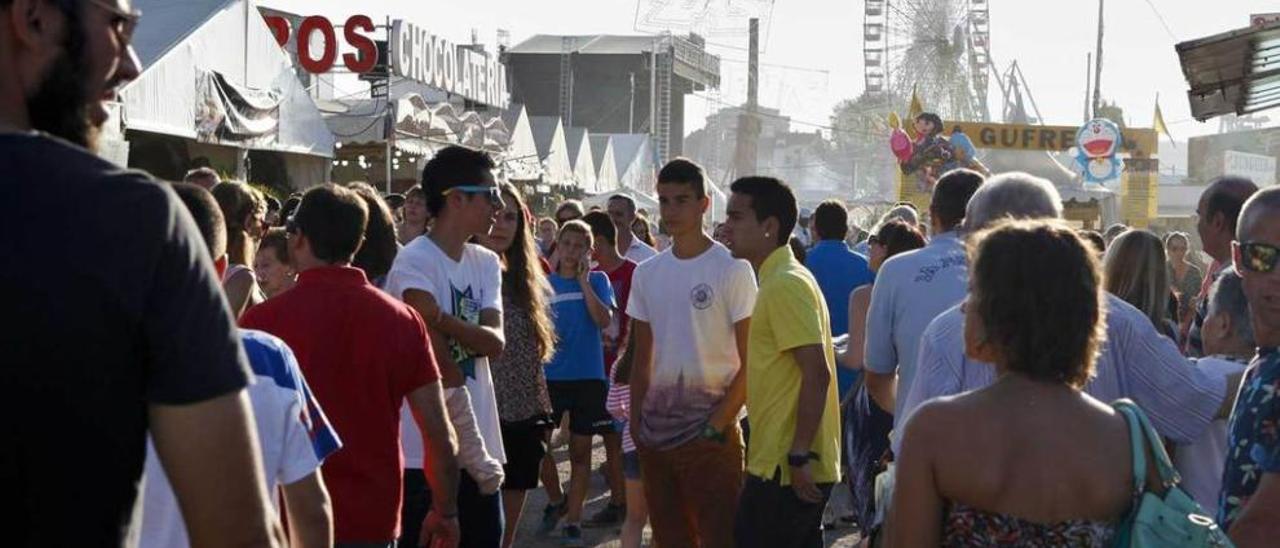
{"x": 770, "y": 197}
{"x": 207, "y": 215}
{"x": 1057, "y": 347}
{"x": 1094, "y": 237}
{"x": 951, "y": 196}
{"x": 631, "y": 203}
{"x": 685, "y": 172}
{"x": 273, "y": 204}
{"x": 380, "y": 246}
{"x": 1227, "y": 195}
{"x": 831, "y": 220}
{"x": 277, "y": 240}
{"x": 601, "y": 226}
{"x": 898, "y": 236}
{"x": 452, "y": 166}
{"x": 333, "y": 219}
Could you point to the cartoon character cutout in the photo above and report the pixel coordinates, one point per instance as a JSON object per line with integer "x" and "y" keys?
{"x": 1095, "y": 152}
{"x": 931, "y": 154}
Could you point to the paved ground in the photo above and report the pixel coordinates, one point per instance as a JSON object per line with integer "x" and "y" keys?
{"x": 597, "y": 498}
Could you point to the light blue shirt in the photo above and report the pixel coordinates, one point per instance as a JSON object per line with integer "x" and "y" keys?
{"x": 911, "y": 290}
{"x": 839, "y": 271}
{"x": 1136, "y": 362}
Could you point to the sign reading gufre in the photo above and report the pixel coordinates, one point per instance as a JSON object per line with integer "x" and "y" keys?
{"x": 1025, "y": 137}
{"x": 424, "y": 57}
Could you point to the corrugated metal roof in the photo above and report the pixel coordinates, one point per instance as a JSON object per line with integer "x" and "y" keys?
{"x": 1233, "y": 72}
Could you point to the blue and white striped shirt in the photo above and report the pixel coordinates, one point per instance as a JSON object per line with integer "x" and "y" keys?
{"x": 1136, "y": 362}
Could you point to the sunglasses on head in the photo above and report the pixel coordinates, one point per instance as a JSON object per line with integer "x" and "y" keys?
{"x": 1259, "y": 257}
{"x": 491, "y": 192}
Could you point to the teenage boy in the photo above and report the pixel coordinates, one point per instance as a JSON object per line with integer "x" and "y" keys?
{"x": 583, "y": 307}
{"x": 457, "y": 286}
{"x": 619, "y": 269}
{"x": 364, "y": 354}
{"x": 791, "y": 395}
{"x": 690, "y": 308}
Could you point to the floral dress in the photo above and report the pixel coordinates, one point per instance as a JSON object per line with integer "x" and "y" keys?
{"x": 518, "y": 379}
{"x": 967, "y": 526}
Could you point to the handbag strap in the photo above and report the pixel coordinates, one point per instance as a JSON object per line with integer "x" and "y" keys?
{"x": 1137, "y": 420}
{"x": 1137, "y": 446}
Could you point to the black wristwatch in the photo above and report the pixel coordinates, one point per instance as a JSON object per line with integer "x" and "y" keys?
{"x": 709, "y": 432}
{"x": 796, "y": 460}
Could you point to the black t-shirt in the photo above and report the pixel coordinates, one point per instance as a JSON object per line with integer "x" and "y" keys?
{"x": 110, "y": 303}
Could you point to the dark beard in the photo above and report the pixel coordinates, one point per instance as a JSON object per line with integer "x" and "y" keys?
{"x": 60, "y": 106}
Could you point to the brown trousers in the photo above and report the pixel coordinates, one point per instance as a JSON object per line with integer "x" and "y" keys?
{"x": 692, "y": 491}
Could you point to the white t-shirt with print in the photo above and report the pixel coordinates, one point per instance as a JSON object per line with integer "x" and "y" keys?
{"x": 462, "y": 289}
{"x": 691, "y": 305}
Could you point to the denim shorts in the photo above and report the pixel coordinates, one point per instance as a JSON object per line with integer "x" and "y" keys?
{"x": 631, "y": 465}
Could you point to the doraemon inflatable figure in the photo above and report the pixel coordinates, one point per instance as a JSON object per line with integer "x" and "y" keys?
{"x": 1095, "y": 152}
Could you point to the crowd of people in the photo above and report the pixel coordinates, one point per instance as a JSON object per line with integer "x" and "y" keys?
{"x": 343, "y": 368}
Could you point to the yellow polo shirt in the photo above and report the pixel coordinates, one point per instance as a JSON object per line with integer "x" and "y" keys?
{"x": 789, "y": 313}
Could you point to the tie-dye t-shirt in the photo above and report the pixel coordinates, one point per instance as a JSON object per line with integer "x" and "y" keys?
{"x": 691, "y": 305}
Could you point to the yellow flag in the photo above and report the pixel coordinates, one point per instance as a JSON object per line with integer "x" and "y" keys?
{"x": 914, "y": 110}
{"x": 1159, "y": 125}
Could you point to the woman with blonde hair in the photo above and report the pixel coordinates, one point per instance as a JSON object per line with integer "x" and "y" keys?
{"x": 1135, "y": 272}
{"x": 245, "y": 211}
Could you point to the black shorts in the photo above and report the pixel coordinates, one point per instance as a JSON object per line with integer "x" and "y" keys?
{"x": 525, "y": 443}
{"x": 584, "y": 402}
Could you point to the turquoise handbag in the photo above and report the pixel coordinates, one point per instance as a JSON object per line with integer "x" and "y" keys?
{"x": 1172, "y": 520}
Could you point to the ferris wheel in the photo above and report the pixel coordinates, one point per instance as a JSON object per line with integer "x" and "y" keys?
{"x": 940, "y": 48}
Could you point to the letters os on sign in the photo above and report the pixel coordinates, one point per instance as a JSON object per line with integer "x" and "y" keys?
{"x": 354, "y": 32}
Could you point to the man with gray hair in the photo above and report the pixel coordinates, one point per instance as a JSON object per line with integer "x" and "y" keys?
{"x": 1136, "y": 362}
{"x": 1228, "y": 345}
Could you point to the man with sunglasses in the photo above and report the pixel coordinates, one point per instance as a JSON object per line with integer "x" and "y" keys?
{"x": 457, "y": 288}
{"x": 136, "y": 337}
{"x": 1249, "y": 506}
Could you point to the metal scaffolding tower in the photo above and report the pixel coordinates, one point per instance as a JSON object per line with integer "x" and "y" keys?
{"x": 567, "y": 45}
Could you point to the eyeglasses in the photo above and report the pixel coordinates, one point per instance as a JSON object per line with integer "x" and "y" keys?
{"x": 123, "y": 23}
{"x": 491, "y": 192}
{"x": 1259, "y": 257}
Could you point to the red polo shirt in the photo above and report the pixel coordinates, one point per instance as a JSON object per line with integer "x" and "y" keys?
{"x": 362, "y": 352}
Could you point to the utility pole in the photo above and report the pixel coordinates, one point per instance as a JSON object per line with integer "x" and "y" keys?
{"x": 1088, "y": 75}
{"x": 631, "y": 112}
{"x": 749, "y": 121}
{"x": 1097, "y": 67}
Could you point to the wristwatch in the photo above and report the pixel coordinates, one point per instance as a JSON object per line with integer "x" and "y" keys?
{"x": 709, "y": 432}
{"x": 796, "y": 460}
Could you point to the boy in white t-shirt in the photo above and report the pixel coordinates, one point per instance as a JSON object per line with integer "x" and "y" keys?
{"x": 457, "y": 288}
{"x": 1227, "y": 335}
{"x": 690, "y": 306}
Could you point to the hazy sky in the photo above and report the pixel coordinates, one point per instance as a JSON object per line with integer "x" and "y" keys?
{"x": 824, "y": 38}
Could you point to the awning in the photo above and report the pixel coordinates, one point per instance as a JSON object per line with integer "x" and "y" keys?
{"x": 1233, "y": 72}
